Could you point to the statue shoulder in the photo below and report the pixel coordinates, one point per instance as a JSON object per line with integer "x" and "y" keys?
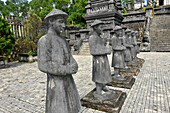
{"x": 44, "y": 39}
{"x": 92, "y": 37}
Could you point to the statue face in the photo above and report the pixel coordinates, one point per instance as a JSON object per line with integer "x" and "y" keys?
{"x": 120, "y": 32}
{"x": 99, "y": 29}
{"x": 59, "y": 25}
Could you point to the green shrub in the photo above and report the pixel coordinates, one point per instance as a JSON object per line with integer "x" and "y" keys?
{"x": 124, "y": 10}
{"x": 7, "y": 39}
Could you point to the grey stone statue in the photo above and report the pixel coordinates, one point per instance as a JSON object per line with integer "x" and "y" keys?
{"x": 127, "y": 54}
{"x": 118, "y": 50}
{"x": 137, "y": 47}
{"x": 101, "y": 74}
{"x": 131, "y": 45}
{"x": 134, "y": 43}
{"x": 131, "y": 38}
{"x": 54, "y": 58}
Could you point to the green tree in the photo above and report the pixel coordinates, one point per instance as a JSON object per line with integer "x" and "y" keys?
{"x": 15, "y": 8}
{"x": 6, "y": 38}
{"x": 62, "y": 4}
{"x": 32, "y": 26}
{"x": 41, "y": 7}
{"x": 76, "y": 12}
{"x": 125, "y": 3}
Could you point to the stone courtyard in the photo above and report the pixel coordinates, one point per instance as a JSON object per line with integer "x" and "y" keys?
{"x": 23, "y": 86}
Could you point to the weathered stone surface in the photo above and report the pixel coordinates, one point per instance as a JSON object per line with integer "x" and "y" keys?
{"x": 55, "y": 59}
{"x": 134, "y": 71}
{"x": 110, "y": 106}
{"x": 150, "y": 92}
{"x": 160, "y": 33}
{"x": 128, "y": 83}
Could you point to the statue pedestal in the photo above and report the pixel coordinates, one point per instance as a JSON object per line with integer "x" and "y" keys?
{"x": 136, "y": 68}
{"x": 128, "y": 83}
{"x": 133, "y": 72}
{"x": 111, "y": 106}
{"x": 139, "y": 61}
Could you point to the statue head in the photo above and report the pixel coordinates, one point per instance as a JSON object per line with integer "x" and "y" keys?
{"x": 56, "y": 20}
{"x": 132, "y": 32}
{"x": 97, "y": 26}
{"x": 136, "y": 33}
{"x": 128, "y": 32}
{"x": 124, "y": 29}
{"x": 119, "y": 31}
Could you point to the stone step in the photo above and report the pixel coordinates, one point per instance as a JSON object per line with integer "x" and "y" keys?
{"x": 85, "y": 49}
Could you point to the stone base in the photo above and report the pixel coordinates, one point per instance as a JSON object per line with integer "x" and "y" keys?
{"x": 110, "y": 106}
{"x": 135, "y": 65}
{"x": 140, "y": 61}
{"x": 128, "y": 83}
{"x": 134, "y": 72}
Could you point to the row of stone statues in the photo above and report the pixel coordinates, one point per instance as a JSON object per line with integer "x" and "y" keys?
{"x": 55, "y": 59}
{"x": 125, "y": 49}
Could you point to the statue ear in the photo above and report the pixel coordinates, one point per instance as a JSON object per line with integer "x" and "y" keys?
{"x": 50, "y": 21}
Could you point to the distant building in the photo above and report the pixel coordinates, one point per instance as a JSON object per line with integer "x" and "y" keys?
{"x": 163, "y": 2}
{"x": 138, "y": 4}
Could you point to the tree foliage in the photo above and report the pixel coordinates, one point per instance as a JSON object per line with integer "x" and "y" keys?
{"x": 32, "y": 26}
{"x": 75, "y": 10}
{"x": 125, "y": 3}
{"x": 6, "y": 38}
{"x": 17, "y": 8}
{"x": 76, "y": 13}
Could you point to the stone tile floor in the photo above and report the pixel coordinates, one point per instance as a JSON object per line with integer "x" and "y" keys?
{"x": 23, "y": 86}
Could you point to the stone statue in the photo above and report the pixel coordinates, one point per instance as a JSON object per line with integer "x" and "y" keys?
{"x": 133, "y": 43}
{"x": 135, "y": 35}
{"x": 54, "y": 58}
{"x": 138, "y": 44}
{"x": 130, "y": 44}
{"x": 118, "y": 56}
{"x": 101, "y": 74}
{"x": 127, "y": 54}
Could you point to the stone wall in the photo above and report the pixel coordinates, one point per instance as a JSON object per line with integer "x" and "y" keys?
{"x": 160, "y": 33}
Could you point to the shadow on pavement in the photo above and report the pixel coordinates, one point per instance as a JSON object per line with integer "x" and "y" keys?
{"x": 11, "y": 64}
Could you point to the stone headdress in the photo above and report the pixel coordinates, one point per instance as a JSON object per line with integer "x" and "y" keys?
{"x": 127, "y": 31}
{"x": 56, "y": 13}
{"x": 96, "y": 22}
{"x": 117, "y": 28}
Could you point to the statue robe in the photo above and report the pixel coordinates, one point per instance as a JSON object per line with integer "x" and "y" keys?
{"x": 54, "y": 59}
{"x": 101, "y": 69}
{"x": 118, "y": 57}
{"x": 127, "y": 54}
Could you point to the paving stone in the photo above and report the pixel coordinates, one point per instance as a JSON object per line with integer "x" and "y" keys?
{"x": 23, "y": 86}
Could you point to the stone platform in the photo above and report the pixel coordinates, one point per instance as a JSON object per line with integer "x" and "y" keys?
{"x": 128, "y": 83}
{"x": 134, "y": 72}
{"x": 23, "y": 86}
{"x": 110, "y": 106}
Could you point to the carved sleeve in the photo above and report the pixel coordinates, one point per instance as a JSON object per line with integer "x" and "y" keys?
{"x": 97, "y": 48}
{"x": 114, "y": 42}
{"x": 46, "y": 63}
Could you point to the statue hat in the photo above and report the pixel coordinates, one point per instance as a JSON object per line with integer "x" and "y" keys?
{"x": 56, "y": 12}
{"x": 127, "y": 31}
{"x": 132, "y": 31}
{"x": 96, "y": 22}
{"x": 112, "y": 32}
{"x": 117, "y": 28}
{"x": 124, "y": 27}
